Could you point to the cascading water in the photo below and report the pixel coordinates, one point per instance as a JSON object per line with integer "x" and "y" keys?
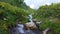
{"x": 31, "y": 21}
{"x": 30, "y": 16}
{"x": 20, "y": 28}
{"x": 33, "y": 31}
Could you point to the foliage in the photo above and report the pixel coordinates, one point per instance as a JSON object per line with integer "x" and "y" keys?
{"x": 9, "y": 15}
{"x": 13, "y": 10}
{"x": 18, "y": 3}
{"x": 49, "y": 11}
{"x": 50, "y": 17}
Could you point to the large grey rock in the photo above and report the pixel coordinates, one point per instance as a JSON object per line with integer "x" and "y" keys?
{"x": 31, "y": 25}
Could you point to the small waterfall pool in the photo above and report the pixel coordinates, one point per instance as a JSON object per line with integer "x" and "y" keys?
{"x": 21, "y": 30}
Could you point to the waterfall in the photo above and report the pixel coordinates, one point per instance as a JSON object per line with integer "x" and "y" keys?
{"x": 20, "y": 27}
{"x": 30, "y": 16}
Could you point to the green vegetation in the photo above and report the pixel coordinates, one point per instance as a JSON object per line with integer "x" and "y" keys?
{"x": 13, "y": 10}
{"x": 50, "y": 17}
{"x": 18, "y": 3}
{"x": 9, "y": 15}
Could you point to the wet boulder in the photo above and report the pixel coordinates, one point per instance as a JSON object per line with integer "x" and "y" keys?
{"x": 31, "y": 25}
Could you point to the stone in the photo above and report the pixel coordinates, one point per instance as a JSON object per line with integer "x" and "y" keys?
{"x": 31, "y": 25}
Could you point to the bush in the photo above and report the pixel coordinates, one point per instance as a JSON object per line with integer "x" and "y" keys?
{"x": 9, "y": 15}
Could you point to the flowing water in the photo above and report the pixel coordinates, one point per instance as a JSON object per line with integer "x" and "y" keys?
{"x": 30, "y": 16}
{"x": 21, "y": 30}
